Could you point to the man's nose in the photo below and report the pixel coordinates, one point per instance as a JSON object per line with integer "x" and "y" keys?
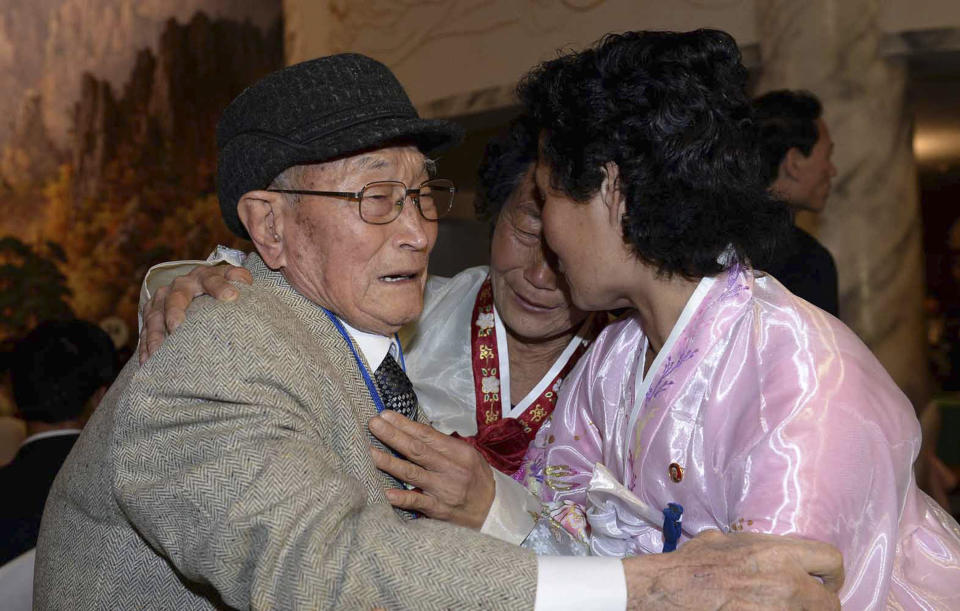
{"x": 413, "y": 231}
{"x": 541, "y": 271}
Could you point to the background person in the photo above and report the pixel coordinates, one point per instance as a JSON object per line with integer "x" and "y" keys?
{"x": 796, "y": 147}
{"x": 60, "y": 371}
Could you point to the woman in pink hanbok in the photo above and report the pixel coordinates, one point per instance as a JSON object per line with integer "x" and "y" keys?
{"x": 718, "y": 391}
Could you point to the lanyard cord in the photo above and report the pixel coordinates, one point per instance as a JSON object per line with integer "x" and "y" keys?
{"x": 371, "y": 387}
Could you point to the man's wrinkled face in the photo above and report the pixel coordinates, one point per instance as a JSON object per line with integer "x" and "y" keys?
{"x": 816, "y": 172}
{"x": 530, "y": 296}
{"x": 372, "y": 276}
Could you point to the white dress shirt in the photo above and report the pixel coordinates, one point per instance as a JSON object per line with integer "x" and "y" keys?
{"x": 372, "y": 346}
{"x": 48, "y": 434}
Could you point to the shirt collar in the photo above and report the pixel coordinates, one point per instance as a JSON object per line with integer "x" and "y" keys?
{"x": 46, "y": 434}
{"x": 373, "y": 347}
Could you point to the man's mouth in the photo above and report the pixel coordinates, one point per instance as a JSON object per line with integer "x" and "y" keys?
{"x": 401, "y": 277}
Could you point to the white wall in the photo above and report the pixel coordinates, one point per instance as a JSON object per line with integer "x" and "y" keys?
{"x": 910, "y": 15}
{"x": 447, "y": 47}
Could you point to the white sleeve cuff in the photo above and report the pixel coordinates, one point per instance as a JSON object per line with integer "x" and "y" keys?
{"x": 513, "y": 513}
{"x": 575, "y": 583}
{"x": 222, "y": 254}
{"x": 162, "y": 274}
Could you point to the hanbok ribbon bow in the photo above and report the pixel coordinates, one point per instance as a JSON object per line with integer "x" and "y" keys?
{"x": 620, "y": 523}
{"x": 503, "y": 444}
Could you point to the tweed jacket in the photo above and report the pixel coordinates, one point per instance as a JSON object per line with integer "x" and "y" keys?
{"x": 232, "y": 469}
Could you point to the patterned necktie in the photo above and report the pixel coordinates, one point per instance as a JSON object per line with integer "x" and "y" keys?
{"x": 395, "y": 388}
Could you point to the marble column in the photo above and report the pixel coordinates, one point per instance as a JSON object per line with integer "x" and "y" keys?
{"x": 872, "y": 221}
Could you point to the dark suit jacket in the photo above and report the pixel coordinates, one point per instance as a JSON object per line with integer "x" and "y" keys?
{"x": 25, "y": 483}
{"x": 807, "y": 269}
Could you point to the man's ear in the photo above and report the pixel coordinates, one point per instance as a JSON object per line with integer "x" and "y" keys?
{"x": 611, "y": 195}
{"x": 261, "y": 213}
{"x": 792, "y": 165}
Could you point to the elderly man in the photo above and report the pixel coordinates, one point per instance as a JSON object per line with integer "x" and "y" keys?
{"x": 233, "y": 468}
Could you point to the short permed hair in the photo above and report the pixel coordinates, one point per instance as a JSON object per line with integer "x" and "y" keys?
{"x": 506, "y": 159}
{"x": 670, "y": 109}
{"x": 786, "y": 119}
{"x": 58, "y": 366}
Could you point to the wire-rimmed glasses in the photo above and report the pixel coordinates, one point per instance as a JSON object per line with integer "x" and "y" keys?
{"x": 381, "y": 202}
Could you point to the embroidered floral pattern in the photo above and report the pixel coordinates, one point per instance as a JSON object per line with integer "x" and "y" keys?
{"x": 663, "y": 380}
{"x": 555, "y": 477}
{"x": 538, "y": 413}
{"x": 732, "y": 289}
{"x": 490, "y": 384}
{"x": 571, "y": 518}
{"x": 485, "y": 320}
{"x": 530, "y": 473}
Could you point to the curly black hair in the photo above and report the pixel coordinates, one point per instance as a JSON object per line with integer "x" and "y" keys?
{"x": 506, "y": 159}
{"x": 670, "y": 109}
{"x": 786, "y": 119}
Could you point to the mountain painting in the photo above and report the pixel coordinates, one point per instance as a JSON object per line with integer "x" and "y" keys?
{"x": 107, "y": 150}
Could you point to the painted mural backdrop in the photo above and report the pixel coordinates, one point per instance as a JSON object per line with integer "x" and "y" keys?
{"x": 107, "y": 150}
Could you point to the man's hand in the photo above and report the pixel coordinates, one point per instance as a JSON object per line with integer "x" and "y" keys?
{"x": 168, "y": 306}
{"x": 456, "y": 483}
{"x": 737, "y": 571}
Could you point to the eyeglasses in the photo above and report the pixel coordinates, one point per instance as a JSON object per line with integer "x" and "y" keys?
{"x": 382, "y": 202}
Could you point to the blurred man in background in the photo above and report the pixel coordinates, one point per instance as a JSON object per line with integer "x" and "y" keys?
{"x": 797, "y": 148}
{"x": 60, "y": 371}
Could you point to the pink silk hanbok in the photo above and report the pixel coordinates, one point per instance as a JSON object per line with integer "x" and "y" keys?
{"x": 760, "y": 413}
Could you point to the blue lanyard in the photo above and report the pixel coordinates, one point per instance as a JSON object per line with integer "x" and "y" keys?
{"x": 371, "y": 387}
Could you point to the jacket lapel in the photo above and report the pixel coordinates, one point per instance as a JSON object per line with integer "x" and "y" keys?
{"x": 348, "y": 422}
